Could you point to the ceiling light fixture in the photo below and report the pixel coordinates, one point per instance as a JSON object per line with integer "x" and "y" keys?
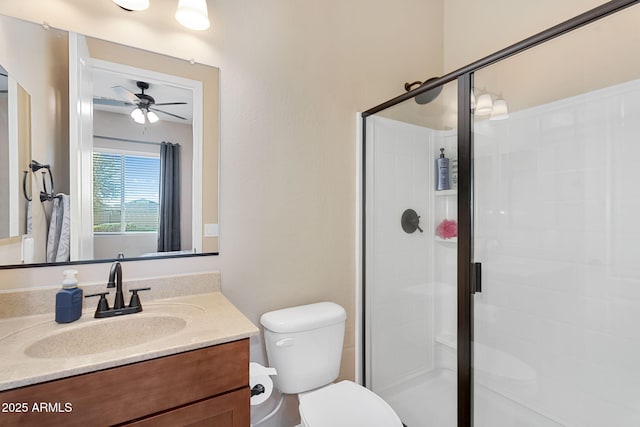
{"x": 193, "y": 14}
{"x": 143, "y": 115}
{"x": 131, "y": 5}
{"x": 138, "y": 116}
{"x": 489, "y": 104}
{"x": 484, "y": 105}
{"x": 152, "y": 117}
{"x": 500, "y": 110}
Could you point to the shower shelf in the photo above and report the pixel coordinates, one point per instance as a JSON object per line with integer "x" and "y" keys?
{"x": 449, "y": 340}
{"x": 451, "y": 240}
{"x": 446, "y": 193}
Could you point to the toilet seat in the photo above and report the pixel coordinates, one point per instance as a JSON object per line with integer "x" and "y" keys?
{"x": 345, "y": 404}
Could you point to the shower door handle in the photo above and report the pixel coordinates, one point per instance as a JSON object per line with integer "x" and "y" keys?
{"x": 476, "y": 277}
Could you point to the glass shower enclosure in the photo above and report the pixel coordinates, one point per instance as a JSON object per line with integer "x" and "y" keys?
{"x": 411, "y": 268}
{"x": 511, "y": 295}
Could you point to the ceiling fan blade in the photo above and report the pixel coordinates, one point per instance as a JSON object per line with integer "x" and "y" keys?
{"x": 112, "y": 102}
{"x": 170, "y": 114}
{"x": 125, "y": 94}
{"x": 171, "y": 103}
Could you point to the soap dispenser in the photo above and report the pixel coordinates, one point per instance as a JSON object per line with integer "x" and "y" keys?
{"x": 442, "y": 172}
{"x": 69, "y": 299}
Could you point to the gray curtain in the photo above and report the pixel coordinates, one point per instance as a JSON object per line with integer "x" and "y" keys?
{"x": 169, "y": 228}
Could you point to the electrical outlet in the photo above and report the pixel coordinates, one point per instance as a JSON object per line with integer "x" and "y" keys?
{"x": 211, "y": 230}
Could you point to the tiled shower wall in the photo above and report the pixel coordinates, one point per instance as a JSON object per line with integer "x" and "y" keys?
{"x": 411, "y": 278}
{"x": 398, "y": 270}
{"x": 557, "y": 226}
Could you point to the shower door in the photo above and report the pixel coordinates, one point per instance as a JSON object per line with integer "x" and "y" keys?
{"x": 410, "y": 258}
{"x": 556, "y": 139}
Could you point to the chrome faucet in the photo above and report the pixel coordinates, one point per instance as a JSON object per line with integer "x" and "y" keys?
{"x": 115, "y": 281}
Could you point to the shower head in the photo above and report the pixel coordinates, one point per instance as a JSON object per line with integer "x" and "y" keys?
{"x": 428, "y": 96}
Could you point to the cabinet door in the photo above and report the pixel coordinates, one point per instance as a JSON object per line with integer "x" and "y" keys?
{"x": 228, "y": 410}
{"x": 135, "y": 391}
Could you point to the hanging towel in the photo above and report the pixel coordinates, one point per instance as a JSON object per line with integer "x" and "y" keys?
{"x": 29, "y": 225}
{"x": 59, "y": 238}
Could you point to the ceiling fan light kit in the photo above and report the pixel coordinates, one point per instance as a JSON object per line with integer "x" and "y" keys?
{"x": 152, "y": 117}
{"x": 145, "y": 110}
{"x": 138, "y": 116}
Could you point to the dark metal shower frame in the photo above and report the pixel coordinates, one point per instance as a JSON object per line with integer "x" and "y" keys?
{"x": 466, "y": 271}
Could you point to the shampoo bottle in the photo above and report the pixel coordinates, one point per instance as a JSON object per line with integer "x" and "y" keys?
{"x": 442, "y": 172}
{"x": 454, "y": 173}
{"x": 69, "y": 299}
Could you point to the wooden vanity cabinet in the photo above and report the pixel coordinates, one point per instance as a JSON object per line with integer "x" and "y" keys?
{"x": 221, "y": 411}
{"x": 204, "y": 387}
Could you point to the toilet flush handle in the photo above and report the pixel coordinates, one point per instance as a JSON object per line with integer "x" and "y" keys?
{"x": 285, "y": 342}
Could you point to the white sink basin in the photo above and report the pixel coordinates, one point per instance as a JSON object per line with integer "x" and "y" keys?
{"x": 101, "y": 336}
{"x": 89, "y": 336}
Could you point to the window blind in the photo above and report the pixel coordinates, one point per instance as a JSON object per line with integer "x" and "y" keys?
{"x": 125, "y": 193}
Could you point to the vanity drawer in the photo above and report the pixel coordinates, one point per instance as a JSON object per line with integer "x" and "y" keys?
{"x": 131, "y": 392}
{"x": 227, "y": 410}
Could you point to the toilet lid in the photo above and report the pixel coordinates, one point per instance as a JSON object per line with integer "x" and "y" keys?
{"x": 346, "y": 404}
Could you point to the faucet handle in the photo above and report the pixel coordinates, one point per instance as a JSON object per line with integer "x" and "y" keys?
{"x": 103, "y": 304}
{"x": 135, "y": 299}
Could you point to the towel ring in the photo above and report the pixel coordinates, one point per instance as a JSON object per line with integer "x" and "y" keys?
{"x": 44, "y": 194}
{"x": 24, "y": 186}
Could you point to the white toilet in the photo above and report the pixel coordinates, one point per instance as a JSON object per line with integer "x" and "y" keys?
{"x": 304, "y": 344}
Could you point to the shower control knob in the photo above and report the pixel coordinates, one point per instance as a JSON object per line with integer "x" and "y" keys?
{"x": 410, "y": 221}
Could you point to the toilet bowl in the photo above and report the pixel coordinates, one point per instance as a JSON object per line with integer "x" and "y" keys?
{"x": 304, "y": 344}
{"x": 345, "y": 404}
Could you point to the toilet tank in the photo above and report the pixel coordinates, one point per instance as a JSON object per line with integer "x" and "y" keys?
{"x": 304, "y": 344}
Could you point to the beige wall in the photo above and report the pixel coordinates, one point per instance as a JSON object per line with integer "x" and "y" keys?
{"x": 474, "y": 29}
{"x": 24, "y": 148}
{"x": 590, "y": 58}
{"x": 45, "y": 78}
{"x": 4, "y": 171}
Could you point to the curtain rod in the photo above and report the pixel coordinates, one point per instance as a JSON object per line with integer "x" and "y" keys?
{"x": 112, "y": 138}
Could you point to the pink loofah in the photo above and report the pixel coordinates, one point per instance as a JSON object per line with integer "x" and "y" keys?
{"x": 447, "y": 229}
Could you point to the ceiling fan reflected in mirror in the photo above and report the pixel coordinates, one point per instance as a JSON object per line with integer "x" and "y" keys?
{"x": 145, "y": 105}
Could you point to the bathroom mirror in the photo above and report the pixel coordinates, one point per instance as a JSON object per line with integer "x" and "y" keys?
{"x": 5, "y": 204}
{"x": 15, "y": 146}
{"x": 102, "y": 159}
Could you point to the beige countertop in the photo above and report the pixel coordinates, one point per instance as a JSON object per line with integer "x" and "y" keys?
{"x": 35, "y": 347}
